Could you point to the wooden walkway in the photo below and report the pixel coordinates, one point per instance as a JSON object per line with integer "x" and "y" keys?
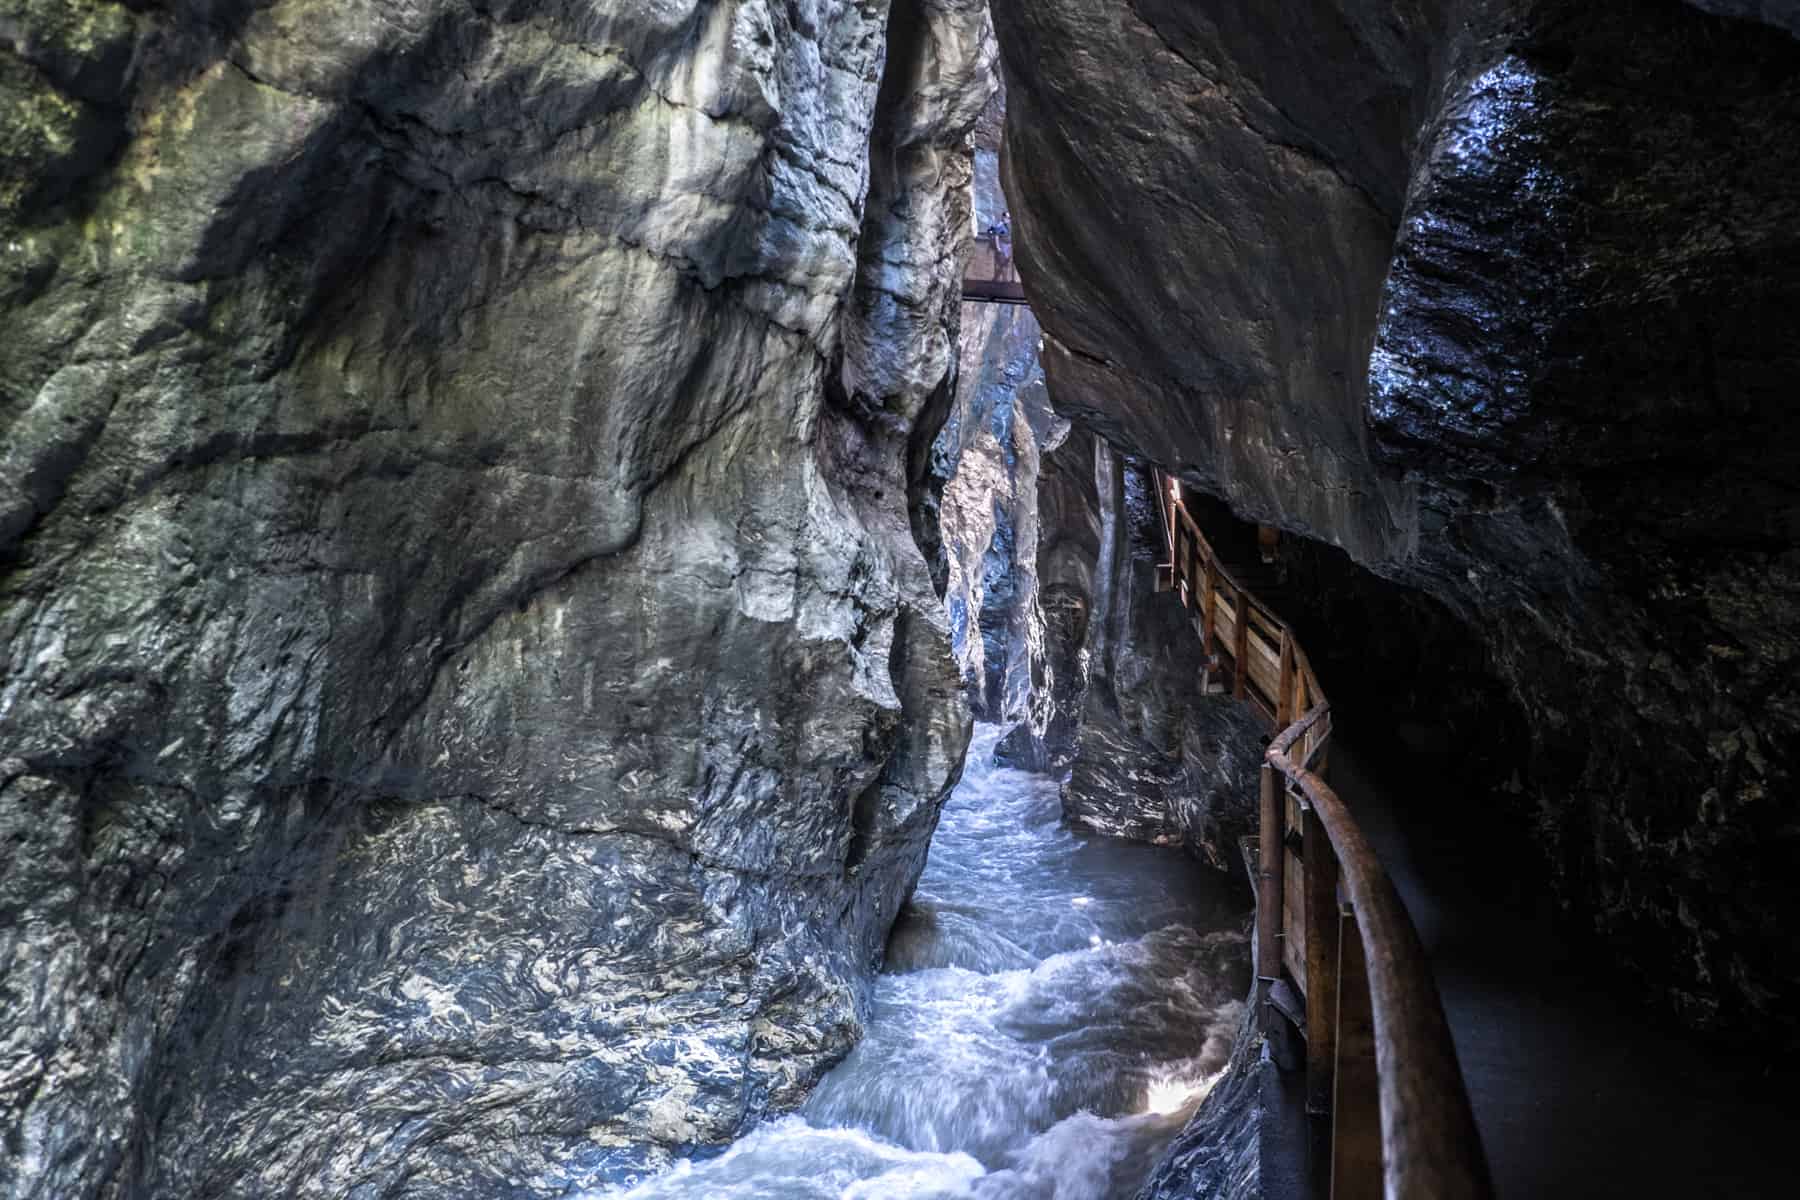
{"x": 1339, "y": 965}
{"x": 993, "y": 291}
{"x": 987, "y": 280}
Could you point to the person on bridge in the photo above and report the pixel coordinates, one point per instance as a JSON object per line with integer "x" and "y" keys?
{"x": 1003, "y": 259}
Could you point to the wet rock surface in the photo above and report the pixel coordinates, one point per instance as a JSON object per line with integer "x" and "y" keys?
{"x": 473, "y": 697}
{"x": 1488, "y": 295}
{"x": 1119, "y": 709}
{"x": 1157, "y": 756}
{"x": 1054, "y": 1007}
{"x": 1218, "y": 1154}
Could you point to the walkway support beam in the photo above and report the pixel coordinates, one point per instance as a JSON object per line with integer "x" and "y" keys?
{"x": 1240, "y": 650}
{"x": 1321, "y": 872}
{"x": 1356, "y": 1094}
{"x": 1271, "y": 856}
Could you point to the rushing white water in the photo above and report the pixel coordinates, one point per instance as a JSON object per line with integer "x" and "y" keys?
{"x": 1053, "y": 1009}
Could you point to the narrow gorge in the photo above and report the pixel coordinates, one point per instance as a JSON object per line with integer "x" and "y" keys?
{"x": 593, "y": 599}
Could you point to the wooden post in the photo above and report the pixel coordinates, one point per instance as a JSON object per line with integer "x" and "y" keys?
{"x": 1209, "y": 591}
{"x": 1188, "y": 554}
{"x": 1240, "y": 669}
{"x": 1169, "y": 521}
{"x": 1321, "y": 872}
{"x": 1269, "y": 918}
{"x": 1356, "y": 1099}
{"x": 1177, "y": 568}
{"x": 1284, "y": 691}
{"x": 1268, "y": 539}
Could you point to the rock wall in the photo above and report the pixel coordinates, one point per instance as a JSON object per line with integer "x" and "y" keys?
{"x": 1219, "y": 1154}
{"x": 1118, "y": 708}
{"x": 987, "y": 458}
{"x": 989, "y": 452}
{"x": 1070, "y": 559}
{"x": 1487, "y": 293}
{"x": 473, "y": 701}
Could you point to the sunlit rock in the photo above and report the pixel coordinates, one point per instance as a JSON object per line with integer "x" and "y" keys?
{"x": 473, "y": 699}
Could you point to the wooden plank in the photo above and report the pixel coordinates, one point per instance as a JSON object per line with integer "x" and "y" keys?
{"x": 1321, "y": 869}
{"x": 1210, "y": 585}
{"x": 1239, "y": 675}
{"x": 990, "y": 291}
{"x": 1262, "y": 706}
{"x": 1224, "y": 626}
{"x": 1265, "y": 669}
{"x": 1308, "y": 683}
{"x": 1285, "y": 708}
{"x": 1356, "y": 1096}
{"x": 1271, "y": 856}
{"x": 1193, "y": 525}
{"x": 1209, "y": 608}
{"x": 1293, "y": 919}
{"x": 1315, "y": 747}
{"x": 1224, "y": 598}
{"x": 1170, "y": 519}
{"x": 1264, "y": 622}
{"x": 1178, "y": 553}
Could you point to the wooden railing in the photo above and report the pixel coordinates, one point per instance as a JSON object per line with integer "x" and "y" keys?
{"x": 1244, "y": 641}
{"x": 1336, "y": 954}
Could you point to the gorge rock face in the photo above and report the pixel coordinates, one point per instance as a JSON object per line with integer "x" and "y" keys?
{"x": 985, "y": 462}
{"x": 473, "y": 701}
{"x": 989, "y": 452}
{"x": 1219, "y": 1154}
{"x": 1490, "y": 295}
{"x": 1119, "y": 705}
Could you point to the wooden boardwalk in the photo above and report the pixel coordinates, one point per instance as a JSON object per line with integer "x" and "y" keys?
{"x": 1339, "y": 966}
{"x": 994, "y": 291}
{"x": 988, "y": 280}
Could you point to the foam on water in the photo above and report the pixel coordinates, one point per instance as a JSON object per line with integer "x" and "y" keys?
{"x": 1055, "y": 1007}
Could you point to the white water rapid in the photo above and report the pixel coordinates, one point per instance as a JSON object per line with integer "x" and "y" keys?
{"x": 1053, "y": 1009}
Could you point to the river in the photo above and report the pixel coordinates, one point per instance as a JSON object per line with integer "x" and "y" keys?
{"x": 1053, "y": 1008}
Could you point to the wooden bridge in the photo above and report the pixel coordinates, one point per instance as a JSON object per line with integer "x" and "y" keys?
{"x": 1338, "y": 961}
{"x": 989, "y": 280}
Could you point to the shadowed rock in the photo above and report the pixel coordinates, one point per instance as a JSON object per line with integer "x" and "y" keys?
{"x": 1489, "y": 295}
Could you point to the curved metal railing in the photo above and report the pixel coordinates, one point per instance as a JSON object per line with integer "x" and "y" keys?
{"x": 1336, "y": 953}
